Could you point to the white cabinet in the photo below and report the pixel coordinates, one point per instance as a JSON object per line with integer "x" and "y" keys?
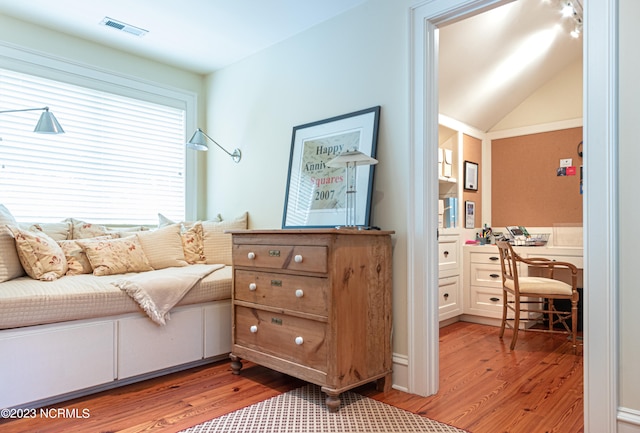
{"x": 449, "y": 305}
{"x": 482, "y": 282}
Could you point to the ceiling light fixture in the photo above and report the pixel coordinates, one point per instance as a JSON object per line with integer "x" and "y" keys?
{"x": 48, "y": 124}
{"x": 573, "y": 9}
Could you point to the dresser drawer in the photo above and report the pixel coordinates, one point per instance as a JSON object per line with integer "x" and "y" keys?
{"x": 289, "y": 257}
{"x": 447, "y": 253}
{"x": 294, "y": 339}
{"x": 448, "y": 292}
{"x": 292, "y": 292}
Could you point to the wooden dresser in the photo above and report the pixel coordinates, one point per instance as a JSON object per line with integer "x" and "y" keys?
{"x": 314, "y": 304}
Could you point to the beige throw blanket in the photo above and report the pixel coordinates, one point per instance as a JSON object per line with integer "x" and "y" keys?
{"x": 158, "y": 291}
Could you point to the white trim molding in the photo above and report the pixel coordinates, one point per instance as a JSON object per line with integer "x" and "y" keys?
{"x": 628, "y": 420}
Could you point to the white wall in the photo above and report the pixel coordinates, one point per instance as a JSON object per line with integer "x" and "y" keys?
{"x": 629, "y": 157}
{"x": 559, "y": 99}
{"x": 352, "y": 62}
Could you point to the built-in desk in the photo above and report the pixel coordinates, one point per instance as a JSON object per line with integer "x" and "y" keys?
{"x": 482, "y": 279}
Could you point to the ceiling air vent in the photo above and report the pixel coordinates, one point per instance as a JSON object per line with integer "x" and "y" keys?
{"x": 119, "y": 25}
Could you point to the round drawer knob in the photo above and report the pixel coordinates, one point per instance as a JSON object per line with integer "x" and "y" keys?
{"x": 299, "y": 341}
{"x": 253, "y": 329}
{"x": 446, "y": 296}
{"x": 299, "y": 293}
{"x": 251, "y": 255}
{"x": 298, "y": 258}
{"x": 446, "y": 253}
{"x": 253, "y": 287}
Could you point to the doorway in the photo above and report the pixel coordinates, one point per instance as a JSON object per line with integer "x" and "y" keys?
{"x": 600, "y": 204}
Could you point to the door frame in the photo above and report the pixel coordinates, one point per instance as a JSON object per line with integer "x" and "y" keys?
{"x": 599, "y": 208}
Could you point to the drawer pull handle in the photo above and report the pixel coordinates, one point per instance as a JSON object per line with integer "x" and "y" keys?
{"x": 494, "y": 275}
{"x": 253, "y": 329}
{"x": 494, "y": 258}
{"x": 251, "y": 255}
{"x": 299, "y": 341}
{"x": 445, "y": 253}
{"x": 298, "y": 258}
{"x": 446, "y": 296}
{"x": 299, "y": 293}
{"x": 494, "y": 299}
{"x": 253, "y": 287}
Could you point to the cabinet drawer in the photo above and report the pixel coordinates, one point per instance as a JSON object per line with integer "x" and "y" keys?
{"x": 292, "y": 292}
{"x": 486, "y": 299}
{"x": 488, "y": 257}
{"x": 486, "y": 275}
{"x": 447, "y": 253}
{"x": 289, "y": 257}
{"x": 448, "y": 292}
{"x": 294, "y": 339}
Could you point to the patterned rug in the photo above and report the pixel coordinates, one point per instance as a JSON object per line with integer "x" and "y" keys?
{"x": 303, "y": 410}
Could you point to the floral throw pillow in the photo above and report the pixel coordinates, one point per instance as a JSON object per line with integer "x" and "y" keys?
{"x": 41, "y": 257}
{"x": 77, "y": 261}
{"x": 115, "y": 256}
{"x": 193, "y": 244}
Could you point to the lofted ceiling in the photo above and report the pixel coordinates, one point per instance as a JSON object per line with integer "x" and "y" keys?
{"x": 488, "y": 65}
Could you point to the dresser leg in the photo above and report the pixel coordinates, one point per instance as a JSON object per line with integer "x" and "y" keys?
{"x": 333, "y": 402}
{"x": 384, "y": 383}
{"x": 236, "y": 364}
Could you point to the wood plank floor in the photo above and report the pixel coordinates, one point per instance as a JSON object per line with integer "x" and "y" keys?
{"x": 484, "y": 388}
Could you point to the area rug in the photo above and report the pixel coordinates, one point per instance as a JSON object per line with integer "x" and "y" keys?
{"x": 303, "y": 410}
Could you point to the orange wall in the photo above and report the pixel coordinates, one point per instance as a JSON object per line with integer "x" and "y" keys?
{"x": 472, "y": 151}
{"x": 525, "y": 189}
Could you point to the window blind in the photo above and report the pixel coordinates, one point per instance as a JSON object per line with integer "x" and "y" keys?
{"x": 121, "y": 159}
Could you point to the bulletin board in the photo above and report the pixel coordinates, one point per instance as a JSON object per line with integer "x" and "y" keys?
{"x": 472, "y": 151}
{"x": 525, "y": 186}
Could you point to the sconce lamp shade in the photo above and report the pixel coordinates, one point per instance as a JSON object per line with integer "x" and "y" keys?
{"x": 48, "y": 124}
{"x": 351, "y": 157}
{"x": 198, "y": 141}
{"x": 350, "y": 160}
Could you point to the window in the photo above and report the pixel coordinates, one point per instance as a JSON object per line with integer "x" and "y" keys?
{"x": 121, "y": 159}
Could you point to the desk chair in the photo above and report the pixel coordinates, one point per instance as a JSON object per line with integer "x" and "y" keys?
{"x": 531, "y": 298}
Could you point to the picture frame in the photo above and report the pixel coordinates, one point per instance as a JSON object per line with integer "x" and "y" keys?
{"x": 316, "y": 194}
{"x": 469, "y": 214}
{"x": 470, "y": 176}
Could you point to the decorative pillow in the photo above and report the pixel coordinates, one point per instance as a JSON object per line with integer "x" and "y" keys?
{"x": 163, "y": 247}
{"x": 84, "y": 230}
{"x": 41, "y": 257}
{"x": 56, "y": 231}
{"x": 115, "y": 256}
{"x": 192, "y": 244}
{"x": 10, "y": 266}
{"x": 163, "y": 221}
{"x": 217, "y": 243}
{"x": 77, "y": 261}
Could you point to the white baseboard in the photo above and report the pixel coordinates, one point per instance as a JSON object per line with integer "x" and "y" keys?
{"x": 400, "y": 372}
{"x": 628, "y": 420}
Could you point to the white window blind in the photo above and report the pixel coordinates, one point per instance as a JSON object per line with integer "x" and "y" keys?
{"x": 121, "y": 159}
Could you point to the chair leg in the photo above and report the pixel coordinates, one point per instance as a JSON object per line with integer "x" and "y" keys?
{"x": 516, "y": 323}
{"x": 504, "y": 313}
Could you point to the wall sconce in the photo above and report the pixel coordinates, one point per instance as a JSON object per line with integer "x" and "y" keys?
{"x": 198, "y": 142}
{"x": 48, "y": 124}
{"x": 350, "y": 160}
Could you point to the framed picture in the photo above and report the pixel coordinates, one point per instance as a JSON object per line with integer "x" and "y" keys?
{"x": 316, "y": 194}
{"x": 470, "y": 175}
{"x": 470, "y": 214}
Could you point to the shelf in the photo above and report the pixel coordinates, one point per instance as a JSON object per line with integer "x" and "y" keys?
{"x": 447, "y": 179}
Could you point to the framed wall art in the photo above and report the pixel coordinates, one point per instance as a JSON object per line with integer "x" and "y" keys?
{"x": 316, "y": 194}
{"x": 470, "y": 176}
{"x": 469, "y": 214}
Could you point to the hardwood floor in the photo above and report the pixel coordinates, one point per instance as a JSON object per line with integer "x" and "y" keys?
{"x": 484, "y": 388}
